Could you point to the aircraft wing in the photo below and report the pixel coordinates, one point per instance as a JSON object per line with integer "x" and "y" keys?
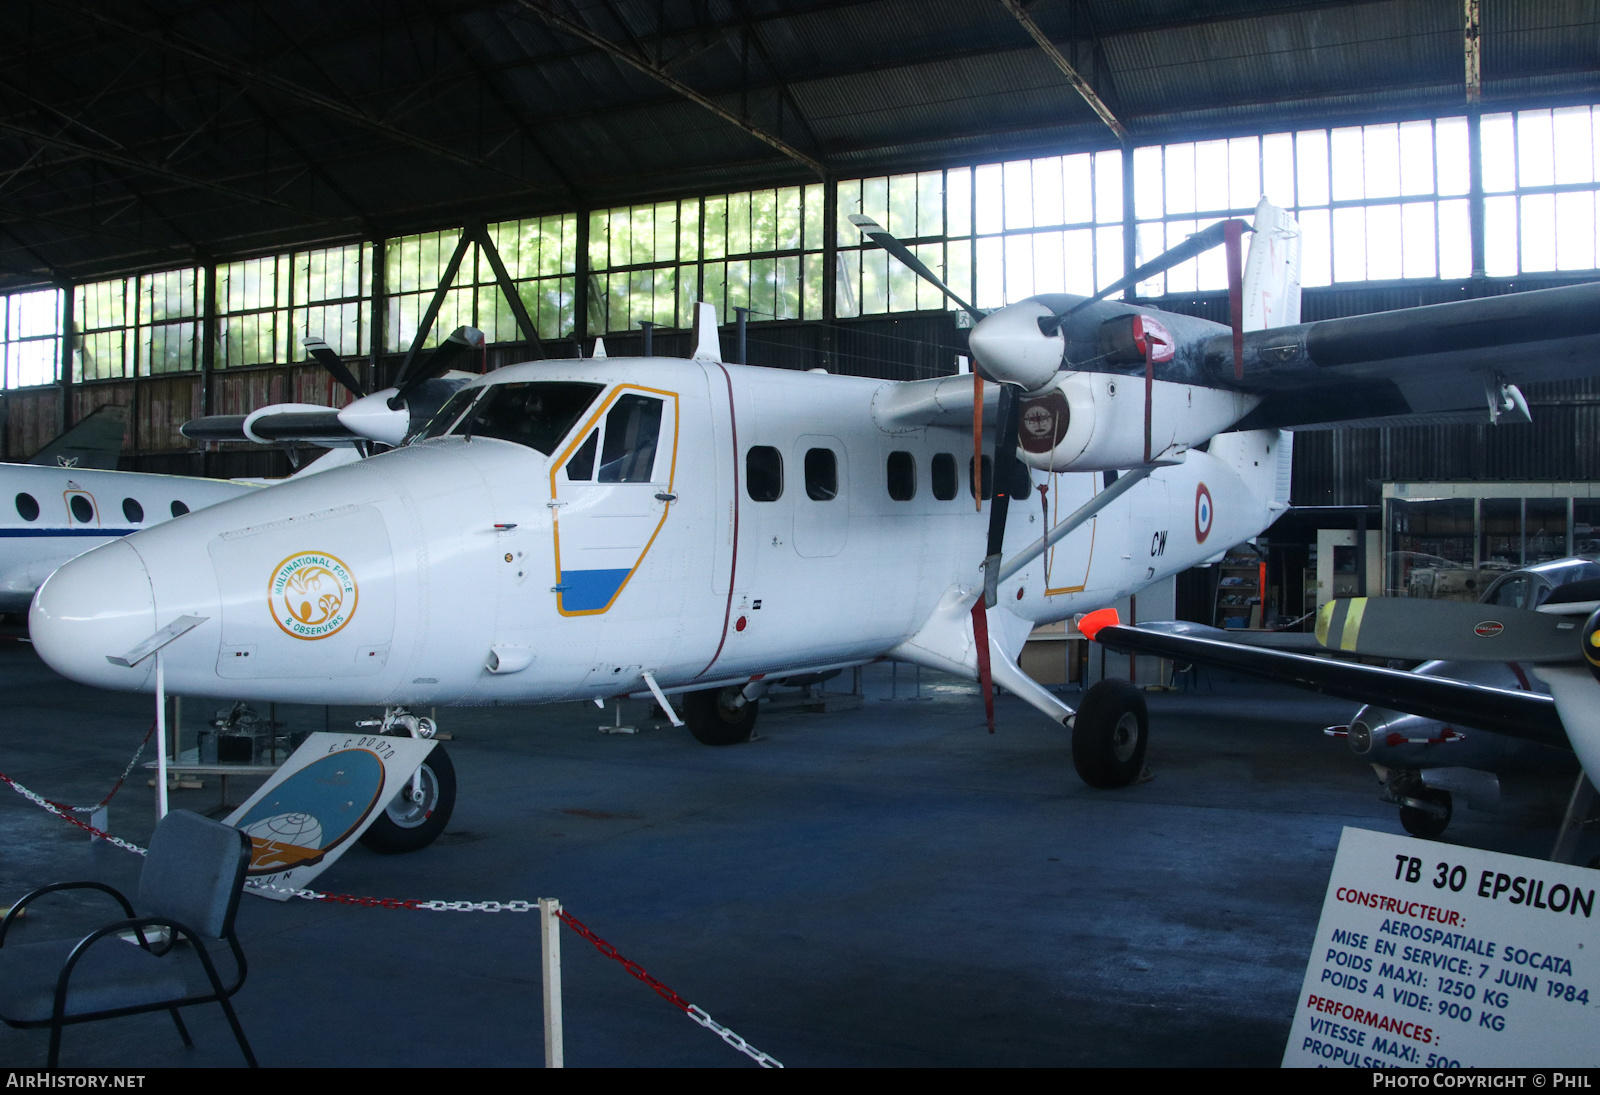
{"x": 1527, "y": 715}
{"x": 1439, "y": 362}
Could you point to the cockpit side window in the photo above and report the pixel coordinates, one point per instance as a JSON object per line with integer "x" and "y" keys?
{"x": 536, "y": 414}
{"x": 580, "y": 469}
{"x": 633, "y": 428}
{"x": 1511, "y": 592}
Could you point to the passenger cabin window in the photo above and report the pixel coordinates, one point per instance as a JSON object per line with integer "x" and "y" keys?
{"x": 822, "y": 475}
{"x": 988, "y": 478}
{"x": 179, "y": 509}
{"x": 535, "y": 414}
{"x": 27, "y": 507}
{"x": 82, "y": 509}
{"x": 633, "y": 427}
{"x": 763, "y": 473}
{"x": 133, "y": 511}
{"x": 944, "y": 476}
{"x": 580, "y": 469}
{"x": 902, "y": 473}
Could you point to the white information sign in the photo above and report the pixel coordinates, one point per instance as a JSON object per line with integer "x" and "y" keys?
{"x": 1434, "y": 956}
{"x": 319, "y": 803}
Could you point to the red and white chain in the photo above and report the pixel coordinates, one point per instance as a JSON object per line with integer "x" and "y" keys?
{"x": 693, "y": 1011}
{"x": 61, "y": 812}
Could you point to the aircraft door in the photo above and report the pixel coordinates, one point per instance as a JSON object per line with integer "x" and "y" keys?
{"x": 611, "y": 489}
{"x": 822, "y": 505}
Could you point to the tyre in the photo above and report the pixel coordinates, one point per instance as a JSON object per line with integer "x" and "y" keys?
{"x": 407, "y": 826}
{"x": 1423, "y": 822}
{"x": 714, "y": 718}
{"x": 1109, "y": 735}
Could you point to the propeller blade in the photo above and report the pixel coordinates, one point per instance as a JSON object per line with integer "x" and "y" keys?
{"x": 1197, "y": 244}
{"x": 880, "y": 236}
{"x": 980, "y": 634}
{"x": 329, "y": 360}
{"x": 1417, "y": 629}
{"x": 461, "y": 341}
{"x": 1006, "y": 469}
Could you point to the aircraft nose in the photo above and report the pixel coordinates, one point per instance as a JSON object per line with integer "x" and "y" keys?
{"x": 96, "y": 605}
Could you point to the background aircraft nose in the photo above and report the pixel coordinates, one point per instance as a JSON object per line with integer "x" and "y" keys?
{"x": 96, "y": 605}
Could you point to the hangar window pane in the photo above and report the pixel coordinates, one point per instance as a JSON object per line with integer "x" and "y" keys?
{"x": 30, "y": 337}
{"x": 758, "y": 250}
{"x": 944, "y": 476}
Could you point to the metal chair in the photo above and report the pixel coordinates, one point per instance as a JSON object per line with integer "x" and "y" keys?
{"x": 189, "y": 887}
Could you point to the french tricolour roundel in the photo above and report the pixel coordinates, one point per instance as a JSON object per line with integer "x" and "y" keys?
{"x": 1202, "y": 514}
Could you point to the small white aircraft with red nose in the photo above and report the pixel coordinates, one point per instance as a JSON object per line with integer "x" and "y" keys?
{"x": 696, "y": 531}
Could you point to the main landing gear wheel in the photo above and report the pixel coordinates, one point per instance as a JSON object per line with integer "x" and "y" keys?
{"x": 1109, "y": 735}
{"x": 720, "y": 716}
{"x": 1425, "y": 812}
{"x": 407, "y": 825}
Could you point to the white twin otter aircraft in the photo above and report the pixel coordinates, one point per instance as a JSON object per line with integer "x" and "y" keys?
{"x": 697, "y": 530}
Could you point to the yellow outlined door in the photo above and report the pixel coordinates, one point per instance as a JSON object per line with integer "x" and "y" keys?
{"x": 612, "y": 489}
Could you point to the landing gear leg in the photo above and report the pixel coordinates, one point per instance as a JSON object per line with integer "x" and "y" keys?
{"x": 417, "y": 814}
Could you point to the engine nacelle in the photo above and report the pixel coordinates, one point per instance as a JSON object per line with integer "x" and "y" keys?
{"x": 1104, "y": 422}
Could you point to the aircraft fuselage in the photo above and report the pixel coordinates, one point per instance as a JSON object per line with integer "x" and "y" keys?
{"x": 701, "y": 522}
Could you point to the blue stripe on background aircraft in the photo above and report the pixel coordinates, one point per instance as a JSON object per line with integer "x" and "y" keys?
{"x": 696, "y": 529}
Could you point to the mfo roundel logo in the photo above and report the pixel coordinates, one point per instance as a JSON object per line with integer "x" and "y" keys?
{"x": 1202, "y": 514}
{"x": 312, "y": 594}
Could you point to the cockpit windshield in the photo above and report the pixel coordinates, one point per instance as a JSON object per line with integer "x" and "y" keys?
{"x": 537, "y": 414}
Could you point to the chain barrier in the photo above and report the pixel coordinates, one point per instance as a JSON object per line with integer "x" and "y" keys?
{"x": 698, "y": 1014}
{"x": 694, "y": 1012}
{"x": 61, "y": 812}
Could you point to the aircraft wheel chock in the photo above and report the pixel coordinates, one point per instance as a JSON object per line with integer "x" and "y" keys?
{"x": 408, "y": 826}
{"x": 716, "y": 718}
{"x": 1418, "y": 820}
{"x": 1109, "y": 735}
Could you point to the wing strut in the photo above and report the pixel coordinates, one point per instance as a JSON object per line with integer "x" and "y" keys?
{"x": 1125, "y": 482}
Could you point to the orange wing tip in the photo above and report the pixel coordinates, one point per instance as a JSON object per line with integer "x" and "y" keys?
{"x": 1090, "y": 624}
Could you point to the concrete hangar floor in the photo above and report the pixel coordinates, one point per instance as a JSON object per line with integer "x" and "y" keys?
{"x": 888, "y": 886}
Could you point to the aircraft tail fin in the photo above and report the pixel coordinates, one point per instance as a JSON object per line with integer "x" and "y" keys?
{"x": 707, "y": 340}
{"x": 1272, "y": 271}
{"x": 95, "y": 442}
{"x": 1263, "y": 459}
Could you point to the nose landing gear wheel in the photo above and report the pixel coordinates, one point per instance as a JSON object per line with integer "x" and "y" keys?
{"x": 716, "y": 717}
{"x": 407, "y": 825}
{"x": 1109, "y": 735}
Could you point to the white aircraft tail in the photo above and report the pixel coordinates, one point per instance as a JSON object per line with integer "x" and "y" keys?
{"x": 1272, "y": 270}
{"x": 1263, "y": 460}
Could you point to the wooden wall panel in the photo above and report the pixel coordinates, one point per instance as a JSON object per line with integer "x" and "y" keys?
{"x": 33, "y": 419}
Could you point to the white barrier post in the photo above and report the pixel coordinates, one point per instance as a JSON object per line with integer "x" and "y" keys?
{"x": 550, "y": 949}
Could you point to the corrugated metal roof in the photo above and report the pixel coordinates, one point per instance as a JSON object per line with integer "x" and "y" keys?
{"x": 157, "y": 134}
